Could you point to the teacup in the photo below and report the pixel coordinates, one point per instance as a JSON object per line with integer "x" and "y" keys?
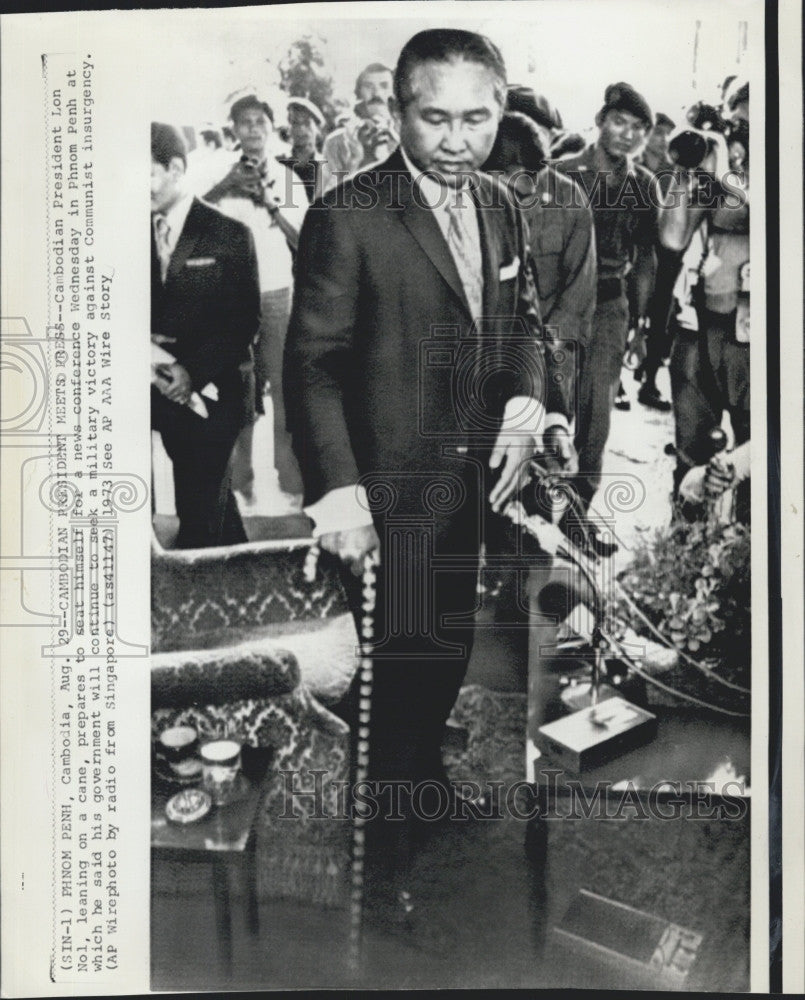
{"x": 178, "y": 747}
{"x": 220, "y": 764}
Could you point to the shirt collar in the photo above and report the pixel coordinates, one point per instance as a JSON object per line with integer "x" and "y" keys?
{"x": 434, "y": 193}
{"x": 177, "y": 215}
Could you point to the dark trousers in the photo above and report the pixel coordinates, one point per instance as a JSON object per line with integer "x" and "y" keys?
{"x": 423, "y": 635}
{"x": 420, "y": 654}
{"x": 269, "y": 347}
{"x": 709, "y": 374}
{"x": 658, "y": 339}
{"x": 200, "y": 451}
{"x": 600, "y": 363}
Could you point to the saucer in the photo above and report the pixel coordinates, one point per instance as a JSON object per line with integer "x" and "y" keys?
{"x": 166, "y": 774}
{"x": 188, "y": 806}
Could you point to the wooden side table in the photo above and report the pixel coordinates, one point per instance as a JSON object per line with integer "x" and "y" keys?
{"x": 225, "y": 839}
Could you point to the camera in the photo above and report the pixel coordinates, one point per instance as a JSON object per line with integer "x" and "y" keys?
{"x": 689, "y": 147}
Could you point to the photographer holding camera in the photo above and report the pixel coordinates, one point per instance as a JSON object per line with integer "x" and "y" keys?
{"x": 368, "y": 137}
{"x": 270, "y": 199}
{"x": 710, "y": 373}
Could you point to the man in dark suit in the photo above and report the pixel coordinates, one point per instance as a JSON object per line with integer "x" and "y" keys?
{"x": 205, "y": 310}
{"x": 416, "y": 388}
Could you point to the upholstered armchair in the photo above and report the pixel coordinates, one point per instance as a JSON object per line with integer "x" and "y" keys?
{"x": 244, "y": 644}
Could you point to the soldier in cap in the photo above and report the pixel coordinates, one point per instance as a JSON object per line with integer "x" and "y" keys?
{"x": 624, "y": 199}
{"x": 654, "y": 156}
{"x": 306, "y": 122}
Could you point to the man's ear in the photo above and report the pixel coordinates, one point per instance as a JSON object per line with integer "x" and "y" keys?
{"x": 394, "y": 110}
{"x": 599, "y": 118}
{"x": 176, "y": 167}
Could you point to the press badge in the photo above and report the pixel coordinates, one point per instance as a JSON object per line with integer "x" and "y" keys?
{"x": 742, "y": 310}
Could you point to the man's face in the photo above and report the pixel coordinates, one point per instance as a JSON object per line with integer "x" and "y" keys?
{"x": 740, "y": 112}
{"x": 166, "y": 184}
{"x": 252, "y": 130}
{"x": 620, "y": 133}
{"x": 657, "y": 141}
{"x": 304, "y": 130}
{"x": 448, "y": 126}
{"x": 375, "y": 86}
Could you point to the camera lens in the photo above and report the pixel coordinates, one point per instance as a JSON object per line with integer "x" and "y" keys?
{"x": 688, "y": 149}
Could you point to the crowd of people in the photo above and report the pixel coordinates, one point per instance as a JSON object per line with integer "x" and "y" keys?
{"x": 441, "y": 287}
{"x": 609, "y": 284}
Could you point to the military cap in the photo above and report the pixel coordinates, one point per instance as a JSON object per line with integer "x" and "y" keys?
{"x": 306, "y": 105}
{"x": 526, "y": 101}
{"x": 623, "y": 97}
{"x": 248, "y": 102}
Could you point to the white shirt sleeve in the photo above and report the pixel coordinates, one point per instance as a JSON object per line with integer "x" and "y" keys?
{"x": 341, "y": 509}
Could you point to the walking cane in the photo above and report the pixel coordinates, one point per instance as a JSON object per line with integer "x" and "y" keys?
{"x": 368, "y": 603}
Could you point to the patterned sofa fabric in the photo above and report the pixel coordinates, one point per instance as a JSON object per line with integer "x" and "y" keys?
{"x": 216, "y": 677}
{"x": 209, "y": 597}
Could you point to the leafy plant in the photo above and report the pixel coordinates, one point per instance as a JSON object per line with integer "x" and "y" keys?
{"x": 692, "y": 582}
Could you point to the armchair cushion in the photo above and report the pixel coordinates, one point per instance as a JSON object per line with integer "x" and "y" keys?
{"x": 253, "y": 670}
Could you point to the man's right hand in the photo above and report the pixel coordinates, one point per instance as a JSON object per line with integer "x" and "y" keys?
{"x": 352, "y": 546}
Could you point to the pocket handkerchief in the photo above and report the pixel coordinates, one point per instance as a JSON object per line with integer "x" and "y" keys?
{"x": 509, "y": 271}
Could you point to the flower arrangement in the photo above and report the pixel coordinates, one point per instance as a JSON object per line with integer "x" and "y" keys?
{"x": 690, "y": 584}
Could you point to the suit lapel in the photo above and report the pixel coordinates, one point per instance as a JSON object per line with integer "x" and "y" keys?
{"x": 188, "y": 238}
{"x": 421, "y": 223}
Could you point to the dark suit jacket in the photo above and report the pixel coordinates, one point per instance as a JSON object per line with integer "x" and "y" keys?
{"x": 210, "y": 305}
{"x": 383, "y": 367}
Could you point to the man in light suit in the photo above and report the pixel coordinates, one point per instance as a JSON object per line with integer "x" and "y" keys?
{"x": 205, "y": 310}
{"x": 416, "y": 389}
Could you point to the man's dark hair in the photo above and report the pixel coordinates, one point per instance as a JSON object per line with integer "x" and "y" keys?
{"x": 247, "y": 103}
{"x": 447, "y": 45}
{"x": 371, "y": 68}
{"x": 517, "y": 144}
{"x": 166, "y": 143}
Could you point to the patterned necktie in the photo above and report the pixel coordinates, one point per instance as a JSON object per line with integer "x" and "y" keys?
{"x": 466, "y": 254}
{"x": 161, "y": 234}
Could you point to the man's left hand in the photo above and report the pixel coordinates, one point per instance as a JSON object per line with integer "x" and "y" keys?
{"x": 180, "y": 387}
{"x": 512, "y": 453}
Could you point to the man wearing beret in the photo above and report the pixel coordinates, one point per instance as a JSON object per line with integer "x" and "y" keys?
{"x": 625, "y": 201}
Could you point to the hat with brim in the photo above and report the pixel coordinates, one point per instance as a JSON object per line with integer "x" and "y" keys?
{"x": 309, "y": 106}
